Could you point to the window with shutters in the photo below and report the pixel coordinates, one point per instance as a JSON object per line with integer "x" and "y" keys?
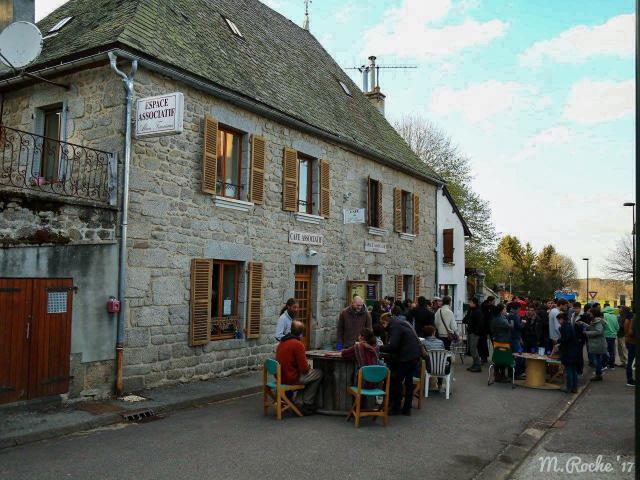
{"x": 407, "y": 212}
{"x": 374, "y": 207}
{"x": 229, "y": 167}
{"x": 306, "y": 180}
{"x": 447, "y": 245}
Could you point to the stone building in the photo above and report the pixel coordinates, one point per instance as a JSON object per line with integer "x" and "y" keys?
{"x": 254, "y": 199}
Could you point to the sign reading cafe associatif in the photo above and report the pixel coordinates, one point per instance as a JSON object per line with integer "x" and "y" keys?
{"x": 305, "y": 238}
{"x": 159, "y": 115}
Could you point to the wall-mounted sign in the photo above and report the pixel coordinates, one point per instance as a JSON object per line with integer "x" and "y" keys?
{"x": 353, "y": 215}
{"x": 160, "y": 115}
{"x": 368, "y": 290}
{"x": 376, "y": 247}
{"x": 305, "y": 238}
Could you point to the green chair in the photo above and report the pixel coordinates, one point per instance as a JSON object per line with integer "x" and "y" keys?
{"x": 502, "y": 357}
{"x": 370, "y": 374}
{"x": 275, "y": 392}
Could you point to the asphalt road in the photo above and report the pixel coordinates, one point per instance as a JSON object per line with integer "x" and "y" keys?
{"x": 450, "y": 439}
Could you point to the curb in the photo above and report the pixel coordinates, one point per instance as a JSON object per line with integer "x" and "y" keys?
{"x": 113, "y": 418}
{"x": 514, "y": 454}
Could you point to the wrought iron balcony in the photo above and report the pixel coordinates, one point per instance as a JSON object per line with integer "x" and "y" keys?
{"x": 33, "y": 162}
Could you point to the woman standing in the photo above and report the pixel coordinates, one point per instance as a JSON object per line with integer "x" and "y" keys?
{"x": 596, "y": 341}
{"x": 501, "y": 333}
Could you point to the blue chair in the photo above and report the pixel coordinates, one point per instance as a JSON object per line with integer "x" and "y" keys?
{"x": 371, "y": 374}
{"x": 275, "y": 392}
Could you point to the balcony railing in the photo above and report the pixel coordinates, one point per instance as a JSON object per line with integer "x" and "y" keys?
{"x": 33, "y": 162}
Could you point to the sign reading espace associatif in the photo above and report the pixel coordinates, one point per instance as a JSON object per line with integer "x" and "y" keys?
{"x": 160, "y": 115}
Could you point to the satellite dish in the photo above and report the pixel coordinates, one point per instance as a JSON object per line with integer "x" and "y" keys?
{"x": 20, "y": 44}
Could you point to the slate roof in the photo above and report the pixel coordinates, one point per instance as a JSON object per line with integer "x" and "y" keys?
{"x": 276, "y": 63}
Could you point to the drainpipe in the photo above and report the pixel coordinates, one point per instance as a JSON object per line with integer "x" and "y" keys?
{"x": 124, "y": 215}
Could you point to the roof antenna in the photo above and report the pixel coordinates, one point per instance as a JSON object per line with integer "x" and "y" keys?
{"x": 305, "y": 22}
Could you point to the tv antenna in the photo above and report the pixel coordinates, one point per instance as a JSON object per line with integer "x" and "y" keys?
{"x": 371, "y": 73}
{"x": 20, "y": 45}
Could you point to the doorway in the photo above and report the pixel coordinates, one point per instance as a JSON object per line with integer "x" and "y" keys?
{"x": 35, "y": 337}
{"x": 302, "y": 294}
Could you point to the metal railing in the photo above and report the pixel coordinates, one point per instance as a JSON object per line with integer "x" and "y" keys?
{"x": 33, "y": 162}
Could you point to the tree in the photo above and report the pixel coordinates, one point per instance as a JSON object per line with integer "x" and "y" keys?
{"x": 620, "y": 260}
{"x": 435, "y": 148}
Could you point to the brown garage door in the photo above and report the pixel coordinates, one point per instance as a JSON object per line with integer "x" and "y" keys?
{"x": 35, "y": 337}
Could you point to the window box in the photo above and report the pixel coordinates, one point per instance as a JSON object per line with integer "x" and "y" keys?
{"x": 233, "y": 204}
{"x": 308, "y": 218}
{"x": 380, "y": 232}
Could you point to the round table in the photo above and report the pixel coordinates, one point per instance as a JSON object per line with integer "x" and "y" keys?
{"x": 338, "y": 374}
{"x": 536, "y": 371}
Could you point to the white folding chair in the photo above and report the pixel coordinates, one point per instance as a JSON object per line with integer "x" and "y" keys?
{"x": 437, "y": 367}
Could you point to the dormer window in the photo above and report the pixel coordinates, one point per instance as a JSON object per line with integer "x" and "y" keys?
{"x": 60, "y": 24}
{"x": 234, "y": 28}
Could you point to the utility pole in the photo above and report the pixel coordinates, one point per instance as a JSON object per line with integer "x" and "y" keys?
{"x": 633, "y": 250}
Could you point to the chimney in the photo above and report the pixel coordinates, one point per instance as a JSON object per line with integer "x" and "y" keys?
{"x": 372, "y": 85}
{"x": 15, "y": 11}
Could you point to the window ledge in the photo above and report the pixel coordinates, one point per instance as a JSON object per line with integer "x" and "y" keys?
{"x": 408, "y": 236}
{"x": 380, "y": 232}
{"x": 448, "y": 264}
{"x": 233, "y": 204}
{"x": 307, "y": 218}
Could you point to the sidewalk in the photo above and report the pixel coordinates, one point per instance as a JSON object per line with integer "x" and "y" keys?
{"x": 26, "y": 424}
{"x": 597, "y": 431}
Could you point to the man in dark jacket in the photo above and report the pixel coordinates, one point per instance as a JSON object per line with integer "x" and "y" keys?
{"x": 475, "y": 328}
{"x": 569, "y": 352}
{"x": 487, "y": 313}
{"x": 421, "y": 316}
{"x": 351, "y": 322}
{"x": 405, "y": 353}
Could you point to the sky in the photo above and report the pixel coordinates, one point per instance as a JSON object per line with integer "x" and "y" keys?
{"x": 539, "y": 95}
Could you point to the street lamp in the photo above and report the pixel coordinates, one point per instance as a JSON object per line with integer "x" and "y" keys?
{"x": 633, "y": 252}
{"x": 587, "y": 297}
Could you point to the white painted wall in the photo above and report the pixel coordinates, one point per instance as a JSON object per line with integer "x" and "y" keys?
{"x": 451, "y": 274}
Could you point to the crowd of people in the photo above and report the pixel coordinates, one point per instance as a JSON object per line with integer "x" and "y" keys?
{"x": 553, "y": 327}
{"x": 397, "y": 333}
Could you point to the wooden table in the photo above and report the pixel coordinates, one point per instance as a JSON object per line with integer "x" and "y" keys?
{"x": 537, "y": 372}
{"x": 338, "y": 374}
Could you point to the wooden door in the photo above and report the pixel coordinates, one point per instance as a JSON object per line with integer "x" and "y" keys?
{"x": 35, "y": 337}
{"x": 15, "y": 312}
{"x": 302, "y": 293}
{"x": 50, "y": 348}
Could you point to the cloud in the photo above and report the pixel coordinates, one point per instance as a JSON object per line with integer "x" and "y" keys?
{"x": 541, "y": 141}
{"x": 612, "y": 38}
{"x": 483, "y": 101}
{"x": 344, "y": 14}
{"x": 593, "y": 101}
{"x": 408, "y": 31}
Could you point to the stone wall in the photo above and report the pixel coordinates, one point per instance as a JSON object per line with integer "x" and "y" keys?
{"x": 172, "y": 222}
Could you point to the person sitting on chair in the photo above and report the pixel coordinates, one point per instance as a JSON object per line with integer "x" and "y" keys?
{"x": 290, "y": 354}
{"x": 431, "y": 342}
{"x": 364, "y": 351}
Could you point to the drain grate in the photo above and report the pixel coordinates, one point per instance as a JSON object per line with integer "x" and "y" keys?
{"x": 139, "y": 416}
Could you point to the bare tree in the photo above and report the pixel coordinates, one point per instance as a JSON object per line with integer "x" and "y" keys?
{"x": 619, "y": 261}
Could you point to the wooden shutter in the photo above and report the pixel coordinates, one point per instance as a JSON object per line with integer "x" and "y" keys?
{"x": 399, "y": 287}
{"x": 290, "y": 181}
{"x": 254, "y": 303}
{"x": 447, "y": 245}
{"x": 416, "y": 214}
{"x": 258, "y": 159}
{"x": 379, "y": 200}
{"x": 210, "y": 155}
{"x": 417, "y": 285}
{"x": 397, "y": 209}
{"x": 325, "y": 189}
{"x": 201, "y": 272}
{"x": 370, "y": 218}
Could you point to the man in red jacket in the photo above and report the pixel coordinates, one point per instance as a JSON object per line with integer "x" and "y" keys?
{"x": 295, "y": 369}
